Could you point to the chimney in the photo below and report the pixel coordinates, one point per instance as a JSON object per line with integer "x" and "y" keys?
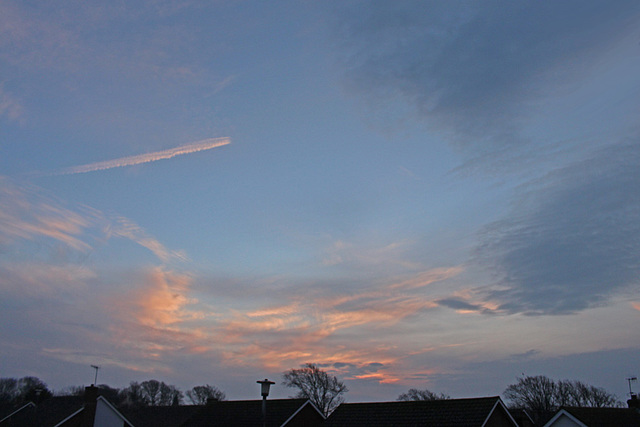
{"x": 634, "y": 402}
{"x": 90, "y": 403}
{"x": 90, "y": 394}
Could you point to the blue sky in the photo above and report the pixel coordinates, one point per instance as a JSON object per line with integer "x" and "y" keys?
{"x": 438, "y": 195}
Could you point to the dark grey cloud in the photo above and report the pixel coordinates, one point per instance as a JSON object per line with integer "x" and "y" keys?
{"x": 482, "y": 74}
{"x": 475, "y": 70}
{"x": 573, "y": 239}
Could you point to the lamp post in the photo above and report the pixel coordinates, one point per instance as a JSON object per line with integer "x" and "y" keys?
{"x": 264, "y": 389}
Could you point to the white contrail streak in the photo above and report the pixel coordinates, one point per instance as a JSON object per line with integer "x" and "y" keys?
{"x": 205, "y": 144}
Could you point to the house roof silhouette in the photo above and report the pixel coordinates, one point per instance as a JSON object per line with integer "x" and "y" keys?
{"x": 168, "y": 416}
{"x": 67, "y": 411}
{"x": 486, "y": 411}
{"x": 595, "y": 417}
{"x": 280, "y": 412}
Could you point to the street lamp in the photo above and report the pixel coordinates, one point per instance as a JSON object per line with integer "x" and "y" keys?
{"x": 628, "y": 380}
{"x": 264, "y": 389}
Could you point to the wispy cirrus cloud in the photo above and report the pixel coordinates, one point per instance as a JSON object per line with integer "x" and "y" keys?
{"x": 305, "y": 326}
{"x": 27, "y": 214}
{"x": 386, "y": 303}
{"x": 123, "y": 227}
{"x": 47, "y": 264}
{"x": 194, "y": 147}
{"x": 366, "y": 255}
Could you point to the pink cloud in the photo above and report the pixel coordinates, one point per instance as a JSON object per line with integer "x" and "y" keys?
{"x": 308, "y": 328}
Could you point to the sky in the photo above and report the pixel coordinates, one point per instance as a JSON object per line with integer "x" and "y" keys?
{"x": 415, "y": 194}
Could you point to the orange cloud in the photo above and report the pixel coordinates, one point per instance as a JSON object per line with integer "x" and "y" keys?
{"x": 158, "y": 318}
{"x": 380, "y": 377}
{"x": 389, "y": 311}
{"x": 162, "y": 299}
{"x": 311, "y": 321}
{"x": 299, "y": 330}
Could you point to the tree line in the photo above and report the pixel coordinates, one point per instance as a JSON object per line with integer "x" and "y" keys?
{"x": 14, "y": 390}
{"x": 539, "y": 395}
{"x": 324, "y": 391}
{"x": 146, "y": 393}
{"x": 542, "y": 396}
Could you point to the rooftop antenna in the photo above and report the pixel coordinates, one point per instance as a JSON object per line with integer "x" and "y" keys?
{"x": 629, "y": 379}
{"x": 95, "y": 380}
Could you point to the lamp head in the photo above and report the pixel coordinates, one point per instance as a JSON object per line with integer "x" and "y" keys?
{"x": 265, "y": 384}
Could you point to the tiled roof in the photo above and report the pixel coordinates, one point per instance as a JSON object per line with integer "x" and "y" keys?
{"x": 166, "y": 416}
{"x": 245, "y": 413}
{"x": 442, "y": 413}
{"x": 47, "y": 413}
{"x": 521, "y": 416}
{"x": 606, "y": 417}
{"x": 7, "y": 408}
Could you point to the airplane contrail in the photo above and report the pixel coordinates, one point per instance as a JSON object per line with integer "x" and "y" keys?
{"x": 205, "y": 144}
